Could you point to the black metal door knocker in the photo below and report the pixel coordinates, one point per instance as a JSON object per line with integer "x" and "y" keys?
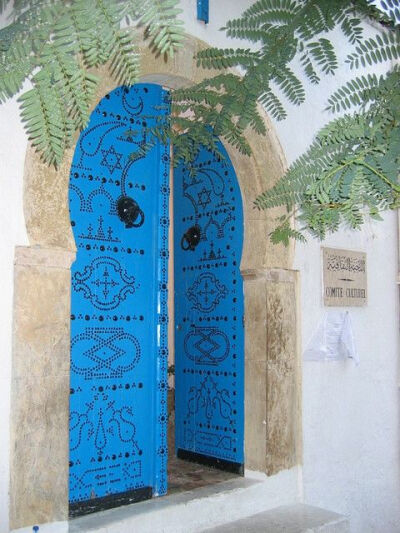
{"x": 129, "y": 212}
{"x": 191, "y": 238}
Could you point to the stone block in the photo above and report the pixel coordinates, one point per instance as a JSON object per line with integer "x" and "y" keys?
{"x": 40, "y": 387}
{"x": 46, "y": 206}
{"x": 255, "y": 415}
{"x": 272, "y": 370}
{"x": 256, "y": 321}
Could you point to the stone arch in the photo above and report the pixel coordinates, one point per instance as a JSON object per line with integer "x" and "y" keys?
{"x": 45, "y": 189}
{"x": 41, "y": 321}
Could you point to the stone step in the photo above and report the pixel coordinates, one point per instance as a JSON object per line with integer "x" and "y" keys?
{"x": 253, "y": 503}
{"x": 297, "y": 518}
{"x": 195, "y": 510}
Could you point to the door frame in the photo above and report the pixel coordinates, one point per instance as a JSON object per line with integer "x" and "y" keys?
{"x": 40, "y": 356}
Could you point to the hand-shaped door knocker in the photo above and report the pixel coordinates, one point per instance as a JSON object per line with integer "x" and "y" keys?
{"x": 129, "y": 212}
{"x": 191, "y": 238}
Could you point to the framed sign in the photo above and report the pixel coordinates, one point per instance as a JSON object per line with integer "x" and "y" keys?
{"x": 344, "y": 277}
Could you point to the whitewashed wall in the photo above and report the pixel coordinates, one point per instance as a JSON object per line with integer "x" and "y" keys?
{"x": 351, "y": 430}
{"x": 350, "y": 414}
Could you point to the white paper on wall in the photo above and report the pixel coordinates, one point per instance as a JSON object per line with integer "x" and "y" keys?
{"x": 333, "y": 339}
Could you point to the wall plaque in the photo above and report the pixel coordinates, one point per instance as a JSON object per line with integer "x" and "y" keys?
{"x": 345, "y": 277}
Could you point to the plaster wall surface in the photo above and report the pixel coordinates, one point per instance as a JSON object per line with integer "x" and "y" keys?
{"x": 351, "y": 429}
{"x": 350, "y": 414}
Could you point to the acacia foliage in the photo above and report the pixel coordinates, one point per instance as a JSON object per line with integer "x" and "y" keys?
{"x": 55, "y": 43}
{"x": 349, "y": 172}
{"x": 351, "y": 169}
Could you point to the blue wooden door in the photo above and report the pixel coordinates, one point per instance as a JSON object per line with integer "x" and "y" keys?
{"x": 209, "y": 333}
{"x": 118, "y": 401}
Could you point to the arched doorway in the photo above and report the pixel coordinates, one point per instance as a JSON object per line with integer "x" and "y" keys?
{"x": 272, "y": 377}
{"x": 119, "y": 315}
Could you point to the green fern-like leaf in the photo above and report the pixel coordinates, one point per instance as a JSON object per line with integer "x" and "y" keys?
{"x": 15, "y": 66}
{"x": 309, "y": 69}
{"x": 223, "y": 58}
{"x": 123, "y": 54}
{"x": 125, "y": 61}
{"x": 354, "y": 93}
{"x": 273, "y": 105}
{"x": 319, "y": 17}
{"x": 349, "y": 128}
{"x": 163, "y": 27}
{"x": 385, "y": 47}
{"x": 53, "y": 43}
{"x": 391, "y": 9}
{"x": 244, "y": 29}
{"x": 290, "y": 85}
{"x": 274, "y": 11}
{"x": 366, "y": 90}
{"x": 352, "y": 29}
{"x": 46, "y": 123}
{"x": 256, "y": 123}
{"x": 284, "y": 232}
{"x": 75, "y": 85}
{"x": 196, "y": 95}
{"x": 74, "y": 32}
{"x": 323, "y": 53}
{"x": 350, "y": 171}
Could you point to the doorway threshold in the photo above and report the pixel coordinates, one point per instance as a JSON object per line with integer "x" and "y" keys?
{"x": 186, "y": 511}
{"x": 185, "y": 475}
{"x": 191, "y": 511}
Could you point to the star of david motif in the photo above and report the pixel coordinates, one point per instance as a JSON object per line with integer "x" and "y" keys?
{"x": 206, "y": 292}
{"x": 108, "y": 353}
{"x": 204, "y": 197}
{"x": 111, "y": 159}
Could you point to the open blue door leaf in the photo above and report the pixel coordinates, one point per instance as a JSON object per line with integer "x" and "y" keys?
{"x": 119, "y": 353}
{"x": 209, "y": 336}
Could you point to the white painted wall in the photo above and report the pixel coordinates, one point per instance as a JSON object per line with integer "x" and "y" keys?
{"x": 351, "y": 429}
{"x": 350, "y": 414}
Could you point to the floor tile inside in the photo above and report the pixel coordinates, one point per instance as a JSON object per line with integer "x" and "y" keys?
{"x": 185, "y": 475}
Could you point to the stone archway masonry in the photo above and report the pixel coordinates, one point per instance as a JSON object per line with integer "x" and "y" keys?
{"x": 41, "y": 317}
